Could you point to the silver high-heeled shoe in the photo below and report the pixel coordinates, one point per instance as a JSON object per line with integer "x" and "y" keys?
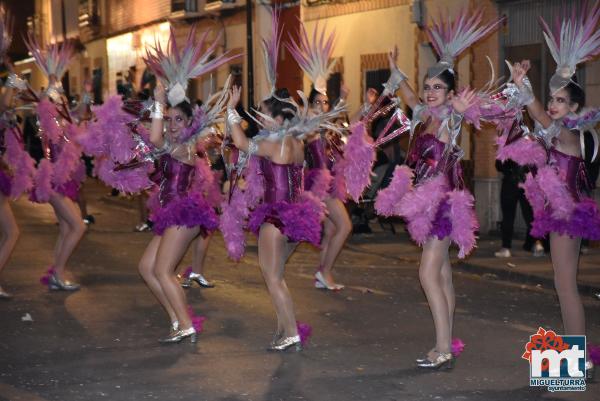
{"x": 4, "y": 294}
{"x": 180, "y": 335}
{"x": 286, "y": 343}
{"x": 322, "y": 284}
{"x": 199, "y": 279}
{"x": 443, "y": 360}
{"x": 56, "y": 284}
{"x": 424, "y": 358}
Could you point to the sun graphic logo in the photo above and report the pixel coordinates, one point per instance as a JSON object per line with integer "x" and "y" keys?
{"x": 556, "y": 362}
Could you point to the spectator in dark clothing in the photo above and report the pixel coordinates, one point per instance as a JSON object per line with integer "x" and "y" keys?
{"x": 511, "y": 195}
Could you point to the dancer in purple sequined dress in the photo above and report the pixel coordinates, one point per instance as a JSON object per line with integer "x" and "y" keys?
{"x": 559, "y": 190}
{"x": 285, "y": 214}
{"x": 16, "y": 167}
{"x": 16, "y": 174}
{"x": 60, "y": 174}
{"x": 324, "y": 150}
{"x": 182, "y": 206}
{"x": 429, "y": 191}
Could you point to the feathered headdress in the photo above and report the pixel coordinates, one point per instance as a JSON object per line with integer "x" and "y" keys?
{"x": 571, "y": 42}
{"x": 270, "y": 49}
{"x": 175, "y": 67}
{"x": 313, "y": 57}
{"x": 450, "y": 37}
{"x": 54, "y": 60}
{"x": 6, "y": 26}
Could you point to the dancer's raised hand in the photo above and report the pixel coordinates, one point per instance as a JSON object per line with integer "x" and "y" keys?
{"x": 519, "y": 71}
{"x": 235, "y": 94}
{"x": 464, "y": 100}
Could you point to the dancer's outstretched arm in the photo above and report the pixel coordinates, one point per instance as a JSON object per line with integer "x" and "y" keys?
{"x": 156, "y": 113}
{"x": 240, "y": 140}
{"x": 407, "y": 93}
{"x": 535, "y": 108}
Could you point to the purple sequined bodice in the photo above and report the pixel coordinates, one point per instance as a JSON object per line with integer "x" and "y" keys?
{"x": 174, "y": 178}
{"x": 428, "y": 158}
{"x": 316, "y": 154}
{"x": 2, "y": 140}
{"x": 324, "y": 152}
{"x": 572, "y": 170}
{"x": 283, "y": 182}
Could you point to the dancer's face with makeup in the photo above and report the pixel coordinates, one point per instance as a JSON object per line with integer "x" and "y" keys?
{"x": 320, "y": 103}
{"x": 560, "y": 104}
{"x": 435, "y": 92}
{"x": 177, "y": 121}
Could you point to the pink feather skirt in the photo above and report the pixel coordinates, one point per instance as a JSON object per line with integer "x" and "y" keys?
{"x": 558, "y": 208}
{"x": 189, "y": 210}
{"x": 431, "y": 209}
{"x": 299, "y": 221}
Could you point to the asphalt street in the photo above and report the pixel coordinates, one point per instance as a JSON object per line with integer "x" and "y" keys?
{"x": 100, "y": 343}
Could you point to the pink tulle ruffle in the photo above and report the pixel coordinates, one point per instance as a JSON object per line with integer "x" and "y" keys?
{"x": 357, "y": 163}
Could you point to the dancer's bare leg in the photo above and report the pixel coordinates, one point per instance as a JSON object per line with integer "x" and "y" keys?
{"x": 200, "y": 247}
{"x": 173, "y": 245}
{"x": 273, "y": 251}
{"x": 9, "y": 232}
{"x": 435, "y": 254}
{"x": 565, "y": 261}
{"x": 71, "y": 229}
{"x": 448, "y": 288}
{"x": 146, "y": 269}
{"x": 337, "y": 228}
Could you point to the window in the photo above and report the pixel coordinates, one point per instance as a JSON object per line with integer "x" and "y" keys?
{"x": 376, "y": 79}
{"x": 184, "y": 5}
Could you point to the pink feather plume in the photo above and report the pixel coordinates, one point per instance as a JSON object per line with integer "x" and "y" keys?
{"x": 420, "y": 206}
{"x": 523, "y": 151}
{"x": 388, "y": 199}
{"x": 66, "y": 164}
{"x": 556, "y": 192}
{"x": 270, "y": 47}
{"x": 128, "y": 180}
{"x": 53, "y": 60}
{"x": 48, "y": 118}
{"x": 321, "y": 182}
{"x": 234, "y": 215}
{"x": 20, "y": 163}
{"x": 464, "y": 221}
{"x": 313, "y": 56}
{"x": 194, "y": 59}
{"x": 304, "y": 331}
{"x": 43, "y": 182}
{"x": 457, "y": 347}
{"x": 450, "y": 36}
{"x": 359, "y": 156}
{"x": 533, "y": 193}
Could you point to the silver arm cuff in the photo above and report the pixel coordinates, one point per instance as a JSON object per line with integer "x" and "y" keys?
{"x": 526, "y": 96}
{"x": 233, "y": 116}
{"x": 393, "y": 83}
{"x": 156, "y": 111}
{"x": 252, "y": 147}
